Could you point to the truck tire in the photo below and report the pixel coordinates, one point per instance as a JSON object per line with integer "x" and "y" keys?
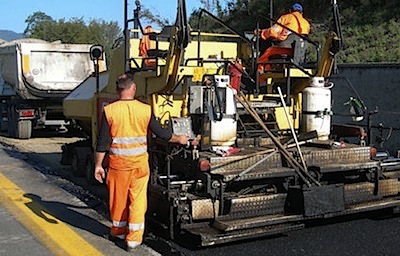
{"x": 78, "y": 162}
{"x": 66, "y": 155}
{"x": 12, "y": 122}
{"x": 3, "y": 117}
{"x": 90, "y": 171}
{"x": 68, "y": 150}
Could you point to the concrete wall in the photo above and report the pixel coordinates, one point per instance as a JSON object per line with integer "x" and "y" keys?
{"x": 377, "y": 85}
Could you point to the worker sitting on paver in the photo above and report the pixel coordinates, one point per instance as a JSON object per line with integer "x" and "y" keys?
{"x": 295, "y": 21}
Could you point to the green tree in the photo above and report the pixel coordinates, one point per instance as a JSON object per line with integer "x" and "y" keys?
{"x": 148, "y": 17}
{"x": 104, "y": 33}
{"x": 34, "y": 19}
{"x": 371, "y": 28}
{"x": 74, "y": 31}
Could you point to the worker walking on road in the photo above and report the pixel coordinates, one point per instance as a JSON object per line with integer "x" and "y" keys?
{"x": 295, "y": 21}
{"x": 124, "y": 130}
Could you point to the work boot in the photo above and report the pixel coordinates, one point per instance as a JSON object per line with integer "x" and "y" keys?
{"x": 132, "y": 245}
{"x": 114, "y": 238}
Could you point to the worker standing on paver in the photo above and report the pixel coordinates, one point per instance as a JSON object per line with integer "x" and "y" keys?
{"x": 124, "y": 129}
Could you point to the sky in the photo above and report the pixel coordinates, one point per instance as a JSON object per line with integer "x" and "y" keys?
{"x": 13, "y": 13}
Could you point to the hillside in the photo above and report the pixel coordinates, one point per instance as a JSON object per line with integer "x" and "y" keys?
{"x": 9, "y": 35}
{"x": 370, "y": 28}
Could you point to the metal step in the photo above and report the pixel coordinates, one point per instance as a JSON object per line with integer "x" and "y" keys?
{"x": 351, "y": 154}
{"x": 256, "y": 222}
{"x": 329, "y": 168}
{"x": 257, "y": 173}
{"x": 372, "y": 206}
{"x": 233, "y": 167}
{"x": 248, "y": 206}
{"x": 210, "y": 236}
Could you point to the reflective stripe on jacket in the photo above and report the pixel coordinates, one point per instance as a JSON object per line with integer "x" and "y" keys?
{"x": 129, "y": 121}
{"x": 295, "y": 21}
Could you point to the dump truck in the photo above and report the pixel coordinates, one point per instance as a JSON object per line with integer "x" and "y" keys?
{"x": 35, "y": 76}
{"x": 269, "y": 158}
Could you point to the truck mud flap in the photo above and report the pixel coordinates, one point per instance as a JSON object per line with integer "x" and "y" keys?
{"x": 21, "y": 129}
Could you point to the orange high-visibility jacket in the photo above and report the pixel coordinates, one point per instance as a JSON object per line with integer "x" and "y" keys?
{"x": 294, "y": 20}
{"x": 128, "y": 120}
{"x": 145, "y": 42}
{"x": 144, "y": 45}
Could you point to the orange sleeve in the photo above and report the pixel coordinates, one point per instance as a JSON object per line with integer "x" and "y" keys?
{"x": 276, "y": 30}
{"x": 293, "y": 21}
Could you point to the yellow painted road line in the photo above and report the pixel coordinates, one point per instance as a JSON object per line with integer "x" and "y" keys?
{"x": 58, "y": 237}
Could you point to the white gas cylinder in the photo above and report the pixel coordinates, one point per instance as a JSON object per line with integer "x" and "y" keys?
{"x": 223, "y": 132}
{"x": 316, "y": 108}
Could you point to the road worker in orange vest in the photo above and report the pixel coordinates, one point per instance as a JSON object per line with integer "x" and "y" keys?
{"x": 144, "y": 45}
{"x": 124, "y": 132}
{"x": 295, "y": 21}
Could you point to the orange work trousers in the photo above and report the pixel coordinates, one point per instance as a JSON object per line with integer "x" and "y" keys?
{"x": 128, "y": 202}
{"x": 273, "y": 50}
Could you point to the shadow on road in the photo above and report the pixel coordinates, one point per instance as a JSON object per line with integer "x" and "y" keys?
{"x": 66, "y": 213}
